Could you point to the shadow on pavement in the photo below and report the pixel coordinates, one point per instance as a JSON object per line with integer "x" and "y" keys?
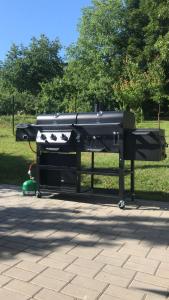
{"x": 41, "y": 229}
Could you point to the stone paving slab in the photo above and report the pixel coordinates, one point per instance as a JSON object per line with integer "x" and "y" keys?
{"x": 60, "y": 248}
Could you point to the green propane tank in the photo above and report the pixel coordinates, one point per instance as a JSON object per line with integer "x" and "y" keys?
{"x": 29, "y": 187}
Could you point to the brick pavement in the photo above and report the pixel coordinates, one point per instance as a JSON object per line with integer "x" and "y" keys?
{"x": 53, "y": 249}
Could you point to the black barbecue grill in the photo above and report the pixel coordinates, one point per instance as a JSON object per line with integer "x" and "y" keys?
{"x": 61, "y": 138}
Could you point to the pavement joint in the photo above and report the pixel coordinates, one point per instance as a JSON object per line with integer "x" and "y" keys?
{"x": 146, "y": 256}
{"x": 157, "y": 268}
{"x": 99, "y": 271}
{"x": 104, "y": 290}
{"x": 67, "y": 283}
{"x": 36, "y": 293}
{"x": 133, "y": 277}
{"x": 125, "y": 261}
{"x": 97, "y": 254}
{"x": 3, "y": 285}
{"x": 76, "y": 258}
{"x": 122, "y": 245}
{"x": 37, "y": 274}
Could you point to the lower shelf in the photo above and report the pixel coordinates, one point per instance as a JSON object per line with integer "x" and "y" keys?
{"x": 58, "y": 189}
{"x": 84, "y": 191}
{"x": 103, "y": 171}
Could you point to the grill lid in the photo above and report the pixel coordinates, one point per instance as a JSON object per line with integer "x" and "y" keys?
{"x": 124, "y": 119}
{"x": 59, "y": 118}
{"x": 119, "y": 118}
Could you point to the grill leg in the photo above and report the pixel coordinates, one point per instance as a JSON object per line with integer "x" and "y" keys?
{"x": 38, "y": 175}
{"x": 92, "y": 167}
{"x": 132, "y": 181}
{"x": 78, "y": 187}
{"x": 121, "y": 183}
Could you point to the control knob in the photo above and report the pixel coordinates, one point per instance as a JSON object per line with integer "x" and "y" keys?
{"x": 43, "y": 137}
{"x": 64, "y": 137}
{"x": 53, "y": 137}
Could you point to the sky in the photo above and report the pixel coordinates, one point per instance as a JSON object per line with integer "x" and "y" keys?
{"x": 22, "y": 19}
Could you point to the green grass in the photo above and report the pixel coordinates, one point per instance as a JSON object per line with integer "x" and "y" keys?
{"x": 14, "y": 157}
{"x": 151, "y": 178}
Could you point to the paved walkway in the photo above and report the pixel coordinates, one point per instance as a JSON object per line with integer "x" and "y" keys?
{"x": 54, "y": 249}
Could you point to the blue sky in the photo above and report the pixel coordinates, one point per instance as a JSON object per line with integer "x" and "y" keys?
{"x": 22, "y": 19}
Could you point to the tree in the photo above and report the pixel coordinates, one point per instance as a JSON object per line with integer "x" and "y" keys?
{"x": 110, "y": 31}
{"x": 94, "y": 63}
{"x": 131, "y": 88}
{"x": 26, "y": 67}
{"x": 157, "y": 49}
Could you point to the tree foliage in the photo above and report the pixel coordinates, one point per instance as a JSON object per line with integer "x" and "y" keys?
{"x": 121, "y": 56}
{"x": 26, "y": 67}
{"x": 130, "y": 89}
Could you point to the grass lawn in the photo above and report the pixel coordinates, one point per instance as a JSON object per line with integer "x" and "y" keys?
{"x": 151, "y": 178}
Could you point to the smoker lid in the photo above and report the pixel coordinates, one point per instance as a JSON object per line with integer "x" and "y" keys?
{"x": 122, "y": 118}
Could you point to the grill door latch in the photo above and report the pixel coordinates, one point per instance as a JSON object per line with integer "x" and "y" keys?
{"x": 116, "y": 137}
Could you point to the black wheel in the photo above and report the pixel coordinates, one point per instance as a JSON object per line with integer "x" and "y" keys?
{"x": 121, "y": 204}
{"x": 38, "y": 194}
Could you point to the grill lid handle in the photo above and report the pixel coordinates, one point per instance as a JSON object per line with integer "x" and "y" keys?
{"x": 96, "y": 149}
{"x": 141, "y": 132}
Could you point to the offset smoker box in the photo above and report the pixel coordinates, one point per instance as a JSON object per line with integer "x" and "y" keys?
{"x": 145, "y": 144}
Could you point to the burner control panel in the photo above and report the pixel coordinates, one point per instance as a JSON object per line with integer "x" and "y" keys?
{"x": 53, "y": 137}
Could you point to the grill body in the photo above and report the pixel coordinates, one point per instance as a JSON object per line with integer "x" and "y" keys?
{"x": 61, "y": 138}
{"x": 78, "y": 132}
